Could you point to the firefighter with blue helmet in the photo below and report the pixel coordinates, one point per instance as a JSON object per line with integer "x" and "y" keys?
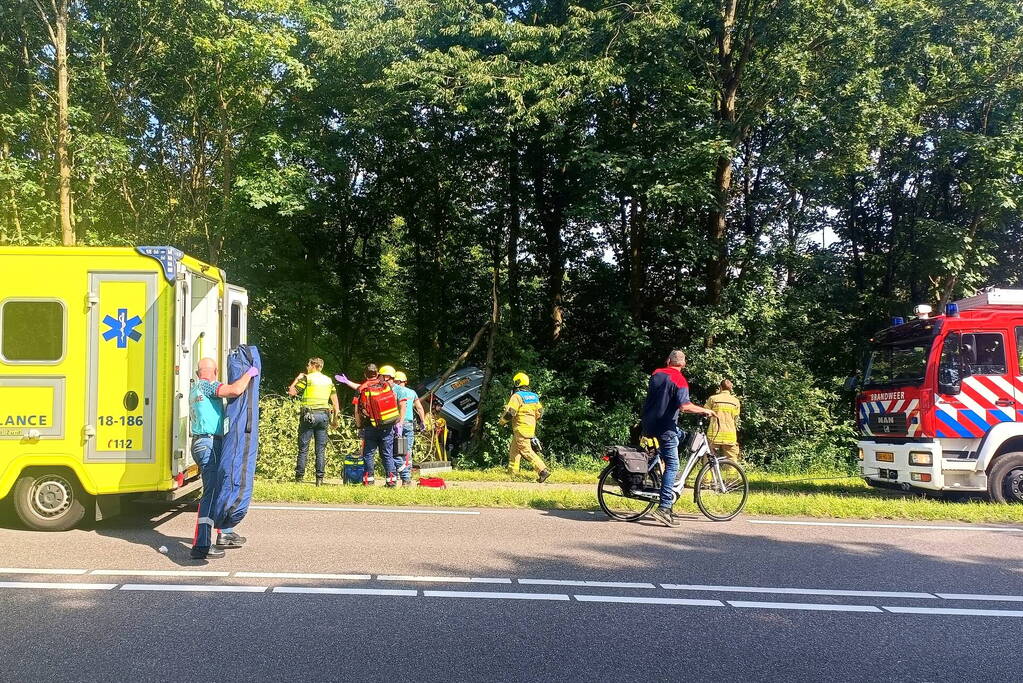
{"x": 523, "y": 410}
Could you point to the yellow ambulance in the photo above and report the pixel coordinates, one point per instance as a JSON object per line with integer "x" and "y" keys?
{"x": 98, "y": 349}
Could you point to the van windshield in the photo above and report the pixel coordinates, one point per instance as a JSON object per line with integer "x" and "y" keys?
{"x": 898, "y": 363}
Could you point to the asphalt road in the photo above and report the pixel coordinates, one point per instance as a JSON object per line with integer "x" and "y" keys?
{"x": 329, "y": 594}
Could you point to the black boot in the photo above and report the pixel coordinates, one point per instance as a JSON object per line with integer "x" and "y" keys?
{"x": 298, "y": 478}
{"x": 319, "y": 481}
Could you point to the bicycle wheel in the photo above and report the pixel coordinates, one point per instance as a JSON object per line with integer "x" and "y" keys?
{"x": 721, "y": 500}
{"x": 616, "y": 503}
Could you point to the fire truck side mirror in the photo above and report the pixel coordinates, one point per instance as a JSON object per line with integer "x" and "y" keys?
{"x": 852, "y": 383}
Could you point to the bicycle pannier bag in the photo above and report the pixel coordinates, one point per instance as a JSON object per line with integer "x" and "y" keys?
{"x": 634, "y": 461}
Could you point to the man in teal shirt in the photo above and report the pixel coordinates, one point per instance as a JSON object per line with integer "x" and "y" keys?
{"x": 409, "y": 405}
{"x": 206, "y": 408}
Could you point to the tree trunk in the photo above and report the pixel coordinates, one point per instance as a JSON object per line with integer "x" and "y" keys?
{"x": 216, "y": 243}
{"x": 550, "y": 213}
{"x": 488, "y": 370}
{"x": 514, "y": 231}
{"x": 725, "y": 116}
{"x": 637, "y": 263}
{"x": 59, "y": 36}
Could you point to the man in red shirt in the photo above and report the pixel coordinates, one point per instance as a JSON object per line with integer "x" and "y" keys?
{"x": 667, "y": 394}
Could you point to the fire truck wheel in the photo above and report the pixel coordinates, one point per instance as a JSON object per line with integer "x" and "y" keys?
{"x": 1005, "y": 478}
{"x": 49, "y": 500}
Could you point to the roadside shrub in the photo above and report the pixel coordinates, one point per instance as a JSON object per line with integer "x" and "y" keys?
{"x": 278, "y": 442}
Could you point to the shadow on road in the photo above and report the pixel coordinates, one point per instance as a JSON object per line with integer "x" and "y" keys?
{"x": 139, "y": 524}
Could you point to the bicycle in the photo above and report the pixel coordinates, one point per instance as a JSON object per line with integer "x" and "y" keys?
{"x": 720, "y": 487}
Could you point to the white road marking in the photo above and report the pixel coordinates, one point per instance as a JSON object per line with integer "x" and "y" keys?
{"x": 155, "y": 572}
{"x": 30, "y": 570}
{"x": 296, "y": 575}
{"x": 441, "y": 579}
{"x": 648, "y": 601}
{"x": 185, "y": 588}
{"x": 594, "y": 584}
{"x": 344, "y": 591}
{"x": 793, "y": 591}
{"x": 495, "y": 596}
{"x": 955, "y": 612}
{"x": 59, "y": 586}
{"x": 804, "y": 606}
{"x": 407, "y": 511}
{"x": 972, "y": 596}
{"x": 886, "y": 526}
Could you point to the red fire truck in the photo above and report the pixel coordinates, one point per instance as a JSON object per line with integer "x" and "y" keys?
{"x": 941, "y": 402}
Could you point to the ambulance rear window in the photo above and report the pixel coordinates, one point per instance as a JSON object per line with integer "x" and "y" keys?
{"x": 32, "y": 331}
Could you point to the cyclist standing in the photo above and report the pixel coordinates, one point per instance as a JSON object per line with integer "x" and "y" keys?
{"x": 667, "y": 394}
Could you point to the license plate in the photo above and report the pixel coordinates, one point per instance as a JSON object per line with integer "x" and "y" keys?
{"x": 884, "y": 456}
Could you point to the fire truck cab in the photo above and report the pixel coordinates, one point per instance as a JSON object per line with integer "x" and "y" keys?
{"x": 941, "y": 403}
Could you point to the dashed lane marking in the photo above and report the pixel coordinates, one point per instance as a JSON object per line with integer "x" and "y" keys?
{"x": 299, "y": 575}
{"x": 59, "y": 586}
{"x": 345, "y": 591}
{"x": 648, "y": 601}
{"x": 948, "y": 611}
{"x": 812, "y": 606}
{"x": 193, "y": 588}
{"x": 30, "y": 570}
{"x": 794, "y": 591}
{"x": 440, "y": 579}
{"x": 989, "y": 598}
{"x": 592, "y": 584}
{"x": 556, "y": 597}
{"x": 868, "y": 525}
{"x": 404, "y": 511}
{"x": 156, "y": 572}
{"x": 495, "y": 596}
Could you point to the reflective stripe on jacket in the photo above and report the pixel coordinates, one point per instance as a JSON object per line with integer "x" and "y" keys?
{"x": 316, "y": 390}
{"x": 525, "y": 409}
{"x": 726, "y": 409}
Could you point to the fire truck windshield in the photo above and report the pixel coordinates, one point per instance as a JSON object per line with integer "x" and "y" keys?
{"x": 898, "y": 363}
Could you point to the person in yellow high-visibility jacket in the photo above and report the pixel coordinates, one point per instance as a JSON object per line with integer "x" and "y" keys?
{"x": 523, "y": 410}
{"x": 319, "y": 404}
{"x": 723, "y": 434}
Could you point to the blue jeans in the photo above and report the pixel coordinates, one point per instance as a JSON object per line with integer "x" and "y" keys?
{"x": 206, "y": 452}
{"x": 381, "y": 438}
{"x": 669, "y": 454}
{"x": 403, "y": 463}
{"x": 310, "y": 425}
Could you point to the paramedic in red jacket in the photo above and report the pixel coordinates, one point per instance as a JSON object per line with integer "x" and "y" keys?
{"x": 667, "y": 394}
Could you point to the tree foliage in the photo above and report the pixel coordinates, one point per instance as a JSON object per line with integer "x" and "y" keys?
{"x": 761, "y": 182}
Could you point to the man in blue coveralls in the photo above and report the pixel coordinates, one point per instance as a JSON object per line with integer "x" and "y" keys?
{"x": 667, "y": 394}
{"x": 207, "y": 411}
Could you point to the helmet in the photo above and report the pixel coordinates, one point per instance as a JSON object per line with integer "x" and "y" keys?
{"x": 387, "y": 370}
{"x": 520, "y": 379}
{"x": 400, "y": 376}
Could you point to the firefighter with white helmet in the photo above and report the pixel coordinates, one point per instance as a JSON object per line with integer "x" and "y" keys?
{"x": 523, "y": 410}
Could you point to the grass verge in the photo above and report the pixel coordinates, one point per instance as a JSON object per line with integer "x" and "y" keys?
{"x": 848, "y": 499}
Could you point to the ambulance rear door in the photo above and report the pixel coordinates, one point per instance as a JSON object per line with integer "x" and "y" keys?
{"x": 183, "y": 365}
{"x": 123, "y": 331}
{"x": 236, "y": 326}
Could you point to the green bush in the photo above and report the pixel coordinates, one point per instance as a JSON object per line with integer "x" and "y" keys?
{"x": 278, "y": 442}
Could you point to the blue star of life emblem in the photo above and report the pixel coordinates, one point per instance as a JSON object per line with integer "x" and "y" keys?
{"x": 122, "y": 328}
